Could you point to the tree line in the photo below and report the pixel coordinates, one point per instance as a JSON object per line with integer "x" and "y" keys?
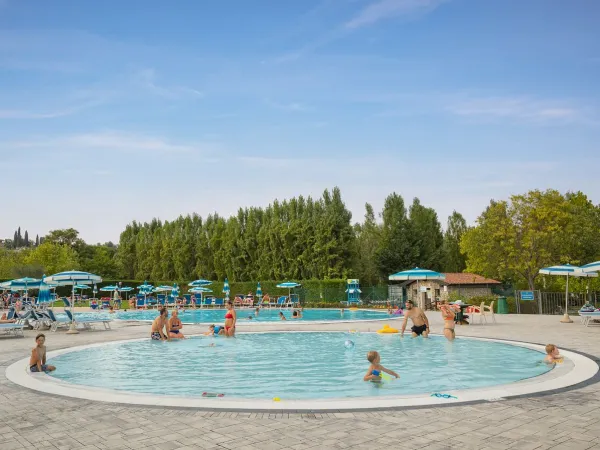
{"x": 22, "y": 241}
{"x": 307, "y": 239}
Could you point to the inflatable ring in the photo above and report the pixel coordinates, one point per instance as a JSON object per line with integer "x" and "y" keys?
{"x": 387, "y": 329}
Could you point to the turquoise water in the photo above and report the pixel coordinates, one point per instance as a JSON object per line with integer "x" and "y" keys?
{"x": 265, "y": 315}
{"x": 296, "y": 365}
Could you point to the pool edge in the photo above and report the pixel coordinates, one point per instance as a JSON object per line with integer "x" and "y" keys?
{"x": 585, "y": 371}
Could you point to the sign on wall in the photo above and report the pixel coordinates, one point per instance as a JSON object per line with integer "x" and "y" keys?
{"x": 527, "y": 295}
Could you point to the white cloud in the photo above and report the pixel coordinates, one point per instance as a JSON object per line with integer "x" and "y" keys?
{"x": 147, "y": 78}
{"x": 518, "y": 108}
{"x": 388, "y": 9}
{"x": 114, "y": 141}
{"x": 291, "y": 107}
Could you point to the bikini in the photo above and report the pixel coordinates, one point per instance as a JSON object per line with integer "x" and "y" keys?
{"x": 228, "y": 316}
{"x": 176, "y": 324}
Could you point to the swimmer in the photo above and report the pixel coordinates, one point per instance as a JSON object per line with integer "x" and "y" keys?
{"x": 448, "y": 316}
{"x": 552, "y": 355}
{"x": 281, "y": 316}
{"x": 37, "y": 362}
{"x": 111, "y": 310}
{"x": 230, "y": 319}
{"x": 256, "y": 311}
{"x": 158, "y": 325}
{"x": 175, "y": 326}
{"x": 419, "y": 320}
{"x": 249, "y": 317}
{"x": 214, "y": 330}
{"x": 295, "y": 315}
{"x": 375, "y": 369}
{"x": 342, "y": 311}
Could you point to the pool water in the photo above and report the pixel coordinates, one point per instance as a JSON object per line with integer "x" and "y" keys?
{"x": 265, "y": 315}
{"x": 296, "y": 365}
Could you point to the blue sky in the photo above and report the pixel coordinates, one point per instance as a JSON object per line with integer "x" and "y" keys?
{"x": 112, "y": 111}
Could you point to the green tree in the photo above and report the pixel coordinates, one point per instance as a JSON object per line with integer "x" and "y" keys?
{"x": 453, "y": 259}
{"x": 394, "y": 252}
{"x": 425, "y": 237}
{"x": 368, "y": 235}
{"x": 514, "y": 240}
{"x": 52, "y": 257}
{"x": 69, "y": 237}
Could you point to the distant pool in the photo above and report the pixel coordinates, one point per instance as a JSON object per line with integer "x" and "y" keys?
{"x": 296, "y": 365}
{"x": 191, "y": 316}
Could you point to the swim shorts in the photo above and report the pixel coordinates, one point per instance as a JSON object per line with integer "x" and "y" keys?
{"x": 419, "y": 330}
{"x": 155, "y": 336}
{"x": 35, "y": 369}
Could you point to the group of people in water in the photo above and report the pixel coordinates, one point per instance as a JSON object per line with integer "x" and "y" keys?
{"x": 165, "y": 328}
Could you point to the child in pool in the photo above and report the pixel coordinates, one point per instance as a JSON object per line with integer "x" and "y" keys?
{"x": 281, "y": 316}
{"x": 552, "y": 355}
{"x": 214, "y": 330}
{"x": 375, "y": 369}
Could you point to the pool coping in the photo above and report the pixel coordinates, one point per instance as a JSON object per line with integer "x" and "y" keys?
{"x": 244, "y": 323}
{"x": 577, "y": 371}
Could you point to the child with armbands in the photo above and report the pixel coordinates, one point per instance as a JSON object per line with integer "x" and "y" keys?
{"x": 375, "y": 369}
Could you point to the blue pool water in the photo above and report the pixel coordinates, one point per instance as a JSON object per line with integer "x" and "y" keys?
{"x": 296, "y": 365}
{"x": 265, "y": 315}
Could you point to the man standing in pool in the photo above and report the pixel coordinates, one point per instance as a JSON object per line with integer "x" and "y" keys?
{"x": 419, "y": 320}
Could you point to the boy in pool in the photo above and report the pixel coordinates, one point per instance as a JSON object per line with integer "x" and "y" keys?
{"x": 552, "y": 355}
{"x": 214, "y": 330}
{"x": 375, "y": 369}
{"x": 37, "y": 362}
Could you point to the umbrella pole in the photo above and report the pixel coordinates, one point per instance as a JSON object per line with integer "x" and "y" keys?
{"x": 566, "y": 318}
{"x": 72, "y": 328}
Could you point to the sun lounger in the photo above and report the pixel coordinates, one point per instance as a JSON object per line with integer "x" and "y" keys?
{"x": 283, "y": 302}
{"x": 15, "y": 329}
{"x": 219, "y": 302}
{"x": 55, "y": 323}
{"x": 238, "y": 300}
{"x": 88, "y": 324}
{"x": 588, "y": 317}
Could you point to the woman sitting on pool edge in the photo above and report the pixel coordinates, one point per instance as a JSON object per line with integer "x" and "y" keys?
{"x": 175, "y": 326}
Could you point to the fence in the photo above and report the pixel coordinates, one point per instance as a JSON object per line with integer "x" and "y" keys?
{"x": 553, "y": 303}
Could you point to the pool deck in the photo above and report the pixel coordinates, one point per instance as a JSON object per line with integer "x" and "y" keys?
{"x": 563, "y": 420}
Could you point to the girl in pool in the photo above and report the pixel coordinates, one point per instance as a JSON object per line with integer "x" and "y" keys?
{"x": 158, "y": 325}
{"x": 281, "y": 316}
{"x": 448, "y": 316}
{"x": 175, "y": 326}
{"x": 230, "y": 319}
{"x": 375, "y": 369}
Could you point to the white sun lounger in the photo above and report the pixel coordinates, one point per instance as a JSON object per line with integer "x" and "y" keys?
{"x": 88, "y": 324}
{"x": 15, "y": 329}
{"x": 587, "y": 317}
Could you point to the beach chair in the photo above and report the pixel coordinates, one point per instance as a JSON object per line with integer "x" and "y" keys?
{"x": 15, "y": 329}
{"x": 161, "y": 299}
{"x": 56, "y": 323}
{"x": 140, "y": 303}
{"x": 248, "y": 301}
{"x": 219, "y": 302}
{"x": 94, "y": 305}
{"x": 187, "y": 299}
{"x": 88, "y": 324}
{"x": 206, "y": 301}
{"x": 105, "y": 303}
{"x": 171, "y": 301}
{"x": 283, "y": 302}
{"x": 238, "y": 300}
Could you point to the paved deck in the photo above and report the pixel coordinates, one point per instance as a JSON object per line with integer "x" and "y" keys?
{"x": 565, "y": 420}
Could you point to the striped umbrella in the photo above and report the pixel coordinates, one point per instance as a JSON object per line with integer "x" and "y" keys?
{"x": 226, "y": 288}
{"x": 200, "y": 290}
{"x": 259, "y": 290}
{"x": 44, "y": 294}
{"x": 73, "y": 278}
{"x": 569, "y": 271}
{"x": 289, "y": 285}
{"x": 591, "y": 267}
{"x": 201, "y": 282}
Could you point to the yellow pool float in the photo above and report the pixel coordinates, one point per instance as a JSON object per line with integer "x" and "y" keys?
{"x": 387, "y": 329}
{"x": 353, "y": 309}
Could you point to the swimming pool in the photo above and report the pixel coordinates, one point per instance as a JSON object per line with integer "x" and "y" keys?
{"x": 265, "y": 315}
{"x": 304, "y": 365}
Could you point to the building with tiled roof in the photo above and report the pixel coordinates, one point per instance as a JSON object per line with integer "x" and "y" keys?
{"x": 424, "y": 293}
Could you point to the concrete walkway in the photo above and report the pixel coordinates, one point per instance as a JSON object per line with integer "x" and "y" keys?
{"x": 566, "y": 420}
